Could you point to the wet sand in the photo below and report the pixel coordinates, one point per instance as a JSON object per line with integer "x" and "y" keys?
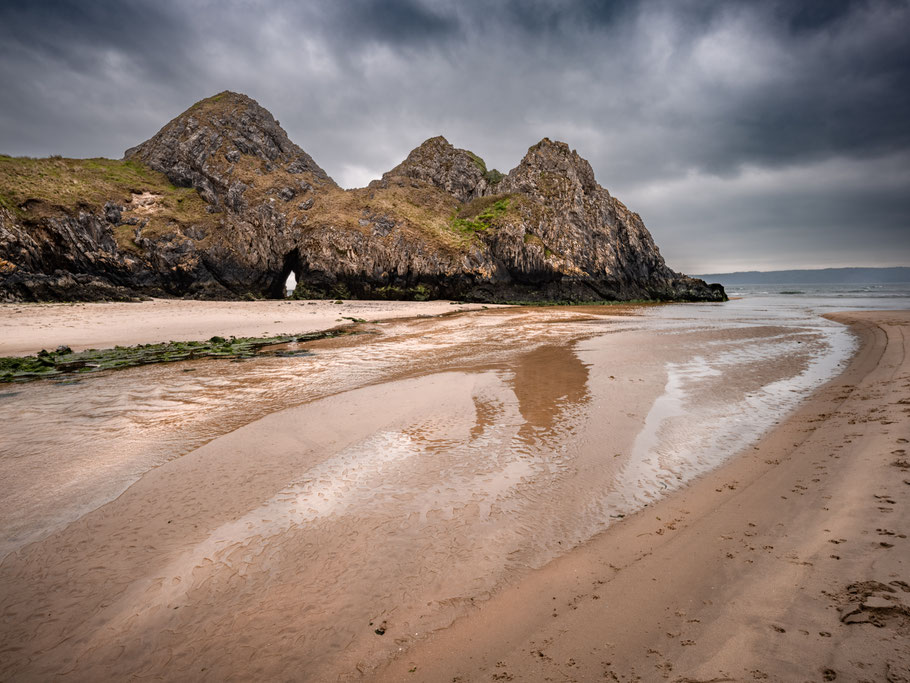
{"x": 789, "y": 563}
{"x": 271, "y": 548}
{"x": 27, "y": 328}
{"x": 317, "y": 541}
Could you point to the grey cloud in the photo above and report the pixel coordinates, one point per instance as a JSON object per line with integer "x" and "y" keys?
{"x": 651, "y": 91}
{"x": 397, "y": 22}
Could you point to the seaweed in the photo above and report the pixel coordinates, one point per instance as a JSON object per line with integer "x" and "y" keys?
{"x": 63, "y": 361}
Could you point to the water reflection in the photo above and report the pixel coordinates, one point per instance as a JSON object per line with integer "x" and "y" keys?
{"x": 547, "y": 381}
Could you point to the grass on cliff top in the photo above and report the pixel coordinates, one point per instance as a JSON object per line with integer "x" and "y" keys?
{"x": 220, "y": 103}
{"x": 33, "y": 189}
{"x": 63, "y": 361}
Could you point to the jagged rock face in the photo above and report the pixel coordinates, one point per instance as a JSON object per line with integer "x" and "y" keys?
{"x": 594, "y": 241}
{"x": 43, "y": 266}
{"x": 551, "y": 172}
{"x": 437, "y": 225}
{"x": 456, "y": 171}
{"x": 200, "y": 147}
{"x": 77, "y": 258}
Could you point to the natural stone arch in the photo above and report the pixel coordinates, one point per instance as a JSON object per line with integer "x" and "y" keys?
{"x": 292, "y": 264}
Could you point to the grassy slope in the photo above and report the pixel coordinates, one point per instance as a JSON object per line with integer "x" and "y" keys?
{"x": 37, "y": 188}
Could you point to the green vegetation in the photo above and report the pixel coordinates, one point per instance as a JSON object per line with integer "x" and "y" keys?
{"x": 422, "y": 211}
{"x": 479, "y": 215}
{"x": 340, "y": 291}
{"x": 63, "y": 361}
{"x": 337, "y": 292}
{"x": 493, "y": 177}
{"x": 302, "y": 291}
{"x": 478, "y": 162}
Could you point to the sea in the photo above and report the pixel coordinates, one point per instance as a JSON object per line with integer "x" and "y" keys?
{"x": 824, "y": 296}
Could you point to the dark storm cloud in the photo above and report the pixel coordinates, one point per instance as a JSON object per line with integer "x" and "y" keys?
{"x": 398, "y": 22}
{"x": 78, "y": 34}
{"x": 740, "y": 130}
{"x": 814, "y": 15}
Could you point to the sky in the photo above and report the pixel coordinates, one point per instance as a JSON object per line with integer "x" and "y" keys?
{"x": 748, "y": 135}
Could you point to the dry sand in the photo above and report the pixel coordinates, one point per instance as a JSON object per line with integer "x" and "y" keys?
{"x": 790, "y": 563}
{"x": 27, "y": 328}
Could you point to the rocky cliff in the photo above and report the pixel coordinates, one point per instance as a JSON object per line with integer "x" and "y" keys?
{"x": 221, "y": 204}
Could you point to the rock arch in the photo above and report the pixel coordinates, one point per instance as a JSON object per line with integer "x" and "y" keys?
{"x": 292, "y": 264}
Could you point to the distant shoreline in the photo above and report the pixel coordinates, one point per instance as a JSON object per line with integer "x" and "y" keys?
{"x": 819, "y": 276}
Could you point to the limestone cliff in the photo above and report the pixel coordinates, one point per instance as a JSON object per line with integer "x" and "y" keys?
{"x": 221, "y": 204}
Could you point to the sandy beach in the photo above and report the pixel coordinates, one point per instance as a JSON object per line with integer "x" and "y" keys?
{"x": 790, "y": 563}
{"x": 27, "y": 328}
{"x": 450, "y": 499}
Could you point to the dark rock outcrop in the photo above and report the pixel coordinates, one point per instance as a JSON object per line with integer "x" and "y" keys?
{"x": 437, "y": 225}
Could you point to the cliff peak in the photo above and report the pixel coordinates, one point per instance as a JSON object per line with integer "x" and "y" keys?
{"x": 550, "y": 169}
{"x": 201, "y": 147}
{"x": 555, "y": 146}
{"x": 436, "y": 161}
